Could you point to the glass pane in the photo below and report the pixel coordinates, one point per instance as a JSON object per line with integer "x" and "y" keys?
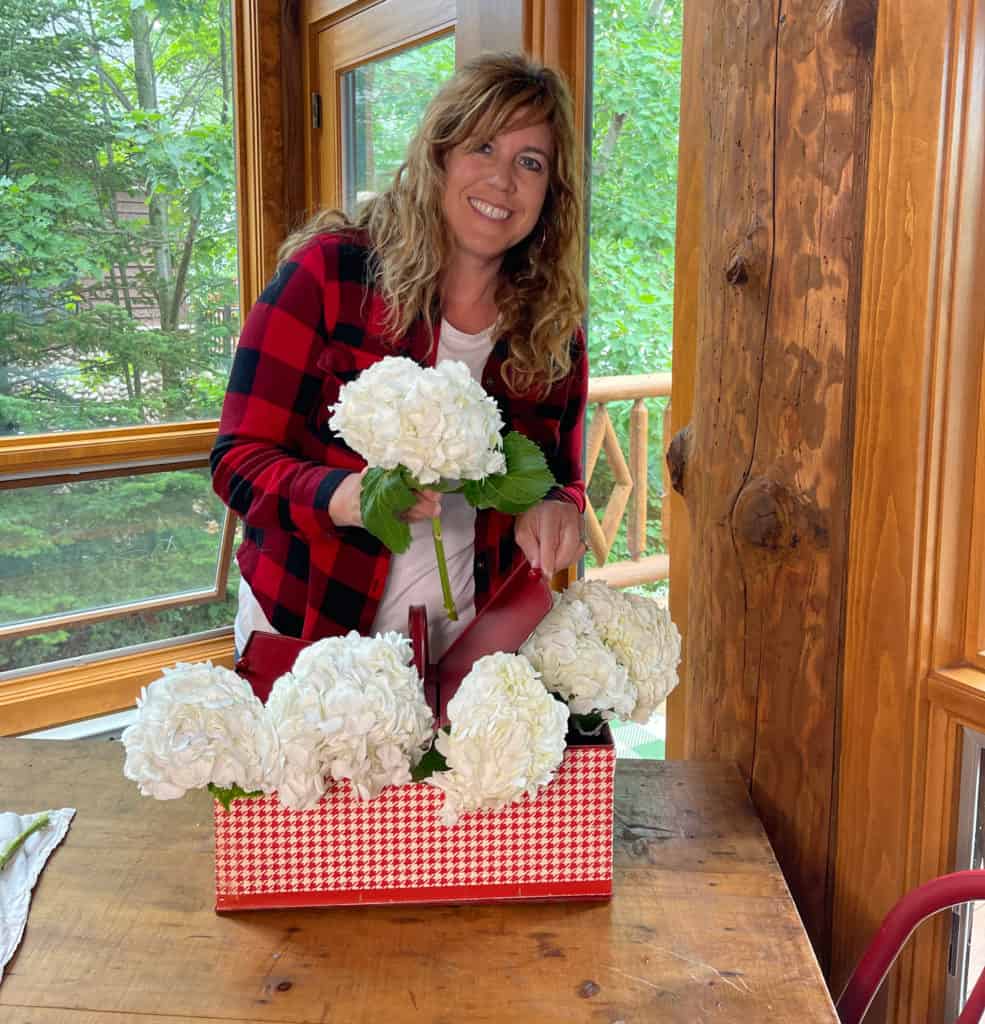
{"x": 382, "y": 103}
{"x": 975, "y": 951}
{"x": 966, "y": 959}
{"x": 118, "y": 280}
{"x": 636, "y": 82}
{"x": 116, "y": 636}
{"x": 100, "y": 543}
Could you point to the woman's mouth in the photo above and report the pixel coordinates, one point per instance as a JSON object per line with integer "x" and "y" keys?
{"x": 489, "y": 210}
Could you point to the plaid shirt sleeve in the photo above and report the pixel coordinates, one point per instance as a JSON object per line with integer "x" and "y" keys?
{"x": 568, "y": 462}
{"x": 267, "y": 463}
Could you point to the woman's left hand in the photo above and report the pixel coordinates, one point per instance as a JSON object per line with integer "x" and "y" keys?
{"x": 550, "y": 535}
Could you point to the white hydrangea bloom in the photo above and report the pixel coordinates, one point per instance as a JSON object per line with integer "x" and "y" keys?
{"x": 506, "y": 738}
{"x": 436, "y": 422}
{"x": 353, "y": 708}
{"x": 638, "y": 630}
{"x": 199, "y": 724}
{"x": 653, "y": 657}
{"x": 574, "y": 663}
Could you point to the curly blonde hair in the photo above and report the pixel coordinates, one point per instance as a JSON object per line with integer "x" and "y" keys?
{"x": 541, "y": 293}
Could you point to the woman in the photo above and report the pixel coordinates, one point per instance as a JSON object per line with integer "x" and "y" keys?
{"x": 474, "y": 253}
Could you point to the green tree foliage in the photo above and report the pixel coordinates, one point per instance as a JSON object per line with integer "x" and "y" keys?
{"x": 633, "y": 190}
{"x": 118, "y": 297}
{"x": 117, "y": 213}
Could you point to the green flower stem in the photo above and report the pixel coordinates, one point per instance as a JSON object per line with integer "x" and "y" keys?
{"x": 439, "y": 550}
{"x": 15, "y": 844}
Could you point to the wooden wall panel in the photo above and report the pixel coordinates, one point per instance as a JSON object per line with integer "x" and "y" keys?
{"x": 787, "y": 99}
{"x": 919, "y": 415}
{"x": 556, "y": 33}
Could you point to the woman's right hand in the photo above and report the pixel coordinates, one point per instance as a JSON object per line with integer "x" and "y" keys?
{"x": 345, "y": 510}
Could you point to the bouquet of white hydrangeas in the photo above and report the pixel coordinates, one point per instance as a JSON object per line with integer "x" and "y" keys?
{"x": 352, "y": 708}
{"x": 201, "y": 725}
{"x": 433, "y": 427}
{"x": 506, "y": 737}
{"x": 641, "y": 645}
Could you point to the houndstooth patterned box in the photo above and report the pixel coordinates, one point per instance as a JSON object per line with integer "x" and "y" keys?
{"x": 394, "y": 849}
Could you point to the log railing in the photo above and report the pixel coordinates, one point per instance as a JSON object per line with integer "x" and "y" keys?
{"x": 630, "y": 487}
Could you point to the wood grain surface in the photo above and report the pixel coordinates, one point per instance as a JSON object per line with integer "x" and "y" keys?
{"x": 916, "y": 554}
{"x": 701, "y": 926}
{"x": 786, "y": 96}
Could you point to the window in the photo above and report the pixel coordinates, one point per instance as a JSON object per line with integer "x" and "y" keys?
{"x": 636, "y": 88}
{"x": 967, "y": 954}
{"x": 119, "y": 307}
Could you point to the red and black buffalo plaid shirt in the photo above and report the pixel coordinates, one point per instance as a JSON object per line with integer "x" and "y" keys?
{"x": 276, "y": 462}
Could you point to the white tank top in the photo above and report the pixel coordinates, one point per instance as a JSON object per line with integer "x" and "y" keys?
{"x": 413, "y": 577}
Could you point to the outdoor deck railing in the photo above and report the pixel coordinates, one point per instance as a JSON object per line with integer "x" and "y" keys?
{"x": 630, "y": 478}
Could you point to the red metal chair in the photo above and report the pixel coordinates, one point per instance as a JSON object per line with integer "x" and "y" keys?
{"x": 897, "y": 926}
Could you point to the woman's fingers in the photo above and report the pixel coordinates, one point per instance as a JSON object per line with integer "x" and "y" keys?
{"x": 344, "y": 507}
{"x": 551, "y": 530}
{"x": 550, "y": 536}
{"x": 427, "y": 506}
{"x": 570, "y": 546}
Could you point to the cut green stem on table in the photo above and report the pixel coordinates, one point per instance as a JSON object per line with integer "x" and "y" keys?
{"x": 439, "y": 550}
{"x": 15, "y": 844}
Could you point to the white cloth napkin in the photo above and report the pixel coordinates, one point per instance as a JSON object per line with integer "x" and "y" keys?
{"x": 18, "y": 877}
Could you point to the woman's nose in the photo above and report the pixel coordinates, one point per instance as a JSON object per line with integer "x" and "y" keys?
{"x": 501, "y": 175}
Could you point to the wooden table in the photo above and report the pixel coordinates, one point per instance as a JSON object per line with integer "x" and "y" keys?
{"x": 122, "y": 930}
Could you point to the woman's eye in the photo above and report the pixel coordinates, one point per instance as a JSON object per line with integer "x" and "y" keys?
{"x": 484, "y": 147}
{"x": 531, "y": 163}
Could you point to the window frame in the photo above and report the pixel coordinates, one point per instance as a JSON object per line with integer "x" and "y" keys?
{"x": 912, "y": 678}
{"x": 975, "y": 625}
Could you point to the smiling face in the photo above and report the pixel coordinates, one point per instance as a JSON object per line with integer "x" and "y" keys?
{"x": 495, "y": 189}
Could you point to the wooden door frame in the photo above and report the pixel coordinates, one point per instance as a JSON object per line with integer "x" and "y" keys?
{"x": 909, "y": 679}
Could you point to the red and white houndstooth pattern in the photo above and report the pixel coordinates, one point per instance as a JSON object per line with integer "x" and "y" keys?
{"x": 396, "y": 841}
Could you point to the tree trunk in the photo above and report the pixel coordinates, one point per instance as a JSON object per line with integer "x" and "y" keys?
{"x": 225, "y": 67}
{"x": 764, "y": 466}
{"x": 143, "y": 68}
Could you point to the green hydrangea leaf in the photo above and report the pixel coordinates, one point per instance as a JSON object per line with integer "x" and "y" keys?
{"x": 383, "y": 496}
{"x": 226, "y": 795}
{"x": 526, "y": 480}
{"x": 429, "y": 764}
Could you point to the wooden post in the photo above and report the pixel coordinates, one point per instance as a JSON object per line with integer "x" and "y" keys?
{"x": 638, "y": 454}
{"x": 764, "y": 466}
